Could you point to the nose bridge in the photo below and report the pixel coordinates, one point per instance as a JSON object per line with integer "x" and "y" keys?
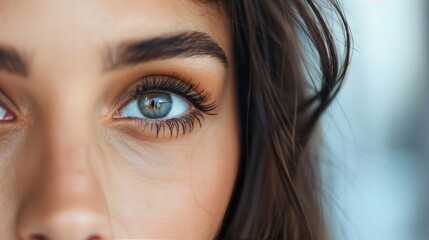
{"x": 68, "y": 173}
{"x": 68, "y": 136}
{"x": 67, "y": 133}
{"x": 66, "y": 199}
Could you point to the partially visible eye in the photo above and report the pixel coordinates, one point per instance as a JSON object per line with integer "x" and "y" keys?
{"x": 156, "y": 105}
{"x": 6, "y": 115}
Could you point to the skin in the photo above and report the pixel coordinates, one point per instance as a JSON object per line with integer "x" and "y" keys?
{"x": 68, "y": 168}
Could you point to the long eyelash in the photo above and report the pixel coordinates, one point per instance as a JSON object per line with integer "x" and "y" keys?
{"x": 200, "y": 99}
{"x": 186, "y": 123}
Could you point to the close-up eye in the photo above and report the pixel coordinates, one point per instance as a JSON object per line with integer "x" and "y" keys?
{"x": 167, "y": 103}
{"x": 156, "y": 105}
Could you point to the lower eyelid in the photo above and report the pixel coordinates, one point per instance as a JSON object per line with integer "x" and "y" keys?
{"x": 173, "y": 127}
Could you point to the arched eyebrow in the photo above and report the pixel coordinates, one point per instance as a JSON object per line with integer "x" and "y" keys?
{"x": 188, "y": 44}
{"x": 12, "y": 62}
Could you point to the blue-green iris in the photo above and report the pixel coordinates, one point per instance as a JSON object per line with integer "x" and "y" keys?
{"x": 155, "y": 104}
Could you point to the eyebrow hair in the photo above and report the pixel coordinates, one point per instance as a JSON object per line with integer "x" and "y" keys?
{"x": 186, "y": 44}
{"x": 12, "y": 62}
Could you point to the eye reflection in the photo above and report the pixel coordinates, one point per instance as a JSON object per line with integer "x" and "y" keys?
{"x": 156, "y": 105}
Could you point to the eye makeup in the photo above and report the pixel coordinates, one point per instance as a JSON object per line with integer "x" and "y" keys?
{"x": 199, "y": 101}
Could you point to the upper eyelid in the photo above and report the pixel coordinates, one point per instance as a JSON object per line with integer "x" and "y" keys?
{"x": 188, "y": 91}
{"x": 130, "y": 93}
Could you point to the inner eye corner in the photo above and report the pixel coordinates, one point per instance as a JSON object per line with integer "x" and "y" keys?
{"x": 8, "y": 118}
{"x": 117, "y": 114}
{"x": 7, "y": 115}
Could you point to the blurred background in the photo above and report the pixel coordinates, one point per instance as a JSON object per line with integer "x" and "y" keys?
{"x": 376, "y": 158}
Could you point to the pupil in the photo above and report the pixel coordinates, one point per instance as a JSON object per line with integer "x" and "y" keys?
{"x": 155, "y": 104}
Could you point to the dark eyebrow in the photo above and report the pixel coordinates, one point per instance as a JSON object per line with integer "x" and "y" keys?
{"x": 12, "y": 62}
{"x": 186, "y": 44}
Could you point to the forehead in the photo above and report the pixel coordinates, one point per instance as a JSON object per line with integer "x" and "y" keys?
{"x": 50, "y": 25}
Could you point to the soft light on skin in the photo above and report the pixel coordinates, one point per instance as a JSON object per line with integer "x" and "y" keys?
{"x": 68, "y": 168}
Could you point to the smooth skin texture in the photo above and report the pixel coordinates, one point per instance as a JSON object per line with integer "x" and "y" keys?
{"x": 68, "y": 168}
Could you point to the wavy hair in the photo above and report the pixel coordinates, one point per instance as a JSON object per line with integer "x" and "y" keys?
{"x": 277, "y": 43}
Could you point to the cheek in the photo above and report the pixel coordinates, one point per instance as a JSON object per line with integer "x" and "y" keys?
{"x": 178, "y": 188}
{"x": 11, "y": 149}
{"x": 214, "y": 167}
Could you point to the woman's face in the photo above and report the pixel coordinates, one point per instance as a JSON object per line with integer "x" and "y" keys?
{"x": 117, "y": 119}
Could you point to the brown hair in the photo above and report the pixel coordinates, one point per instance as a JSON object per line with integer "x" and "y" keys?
{"x": 277, "y": 193}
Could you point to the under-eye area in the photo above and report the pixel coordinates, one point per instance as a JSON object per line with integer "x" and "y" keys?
{"x": 165, "y": 106}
